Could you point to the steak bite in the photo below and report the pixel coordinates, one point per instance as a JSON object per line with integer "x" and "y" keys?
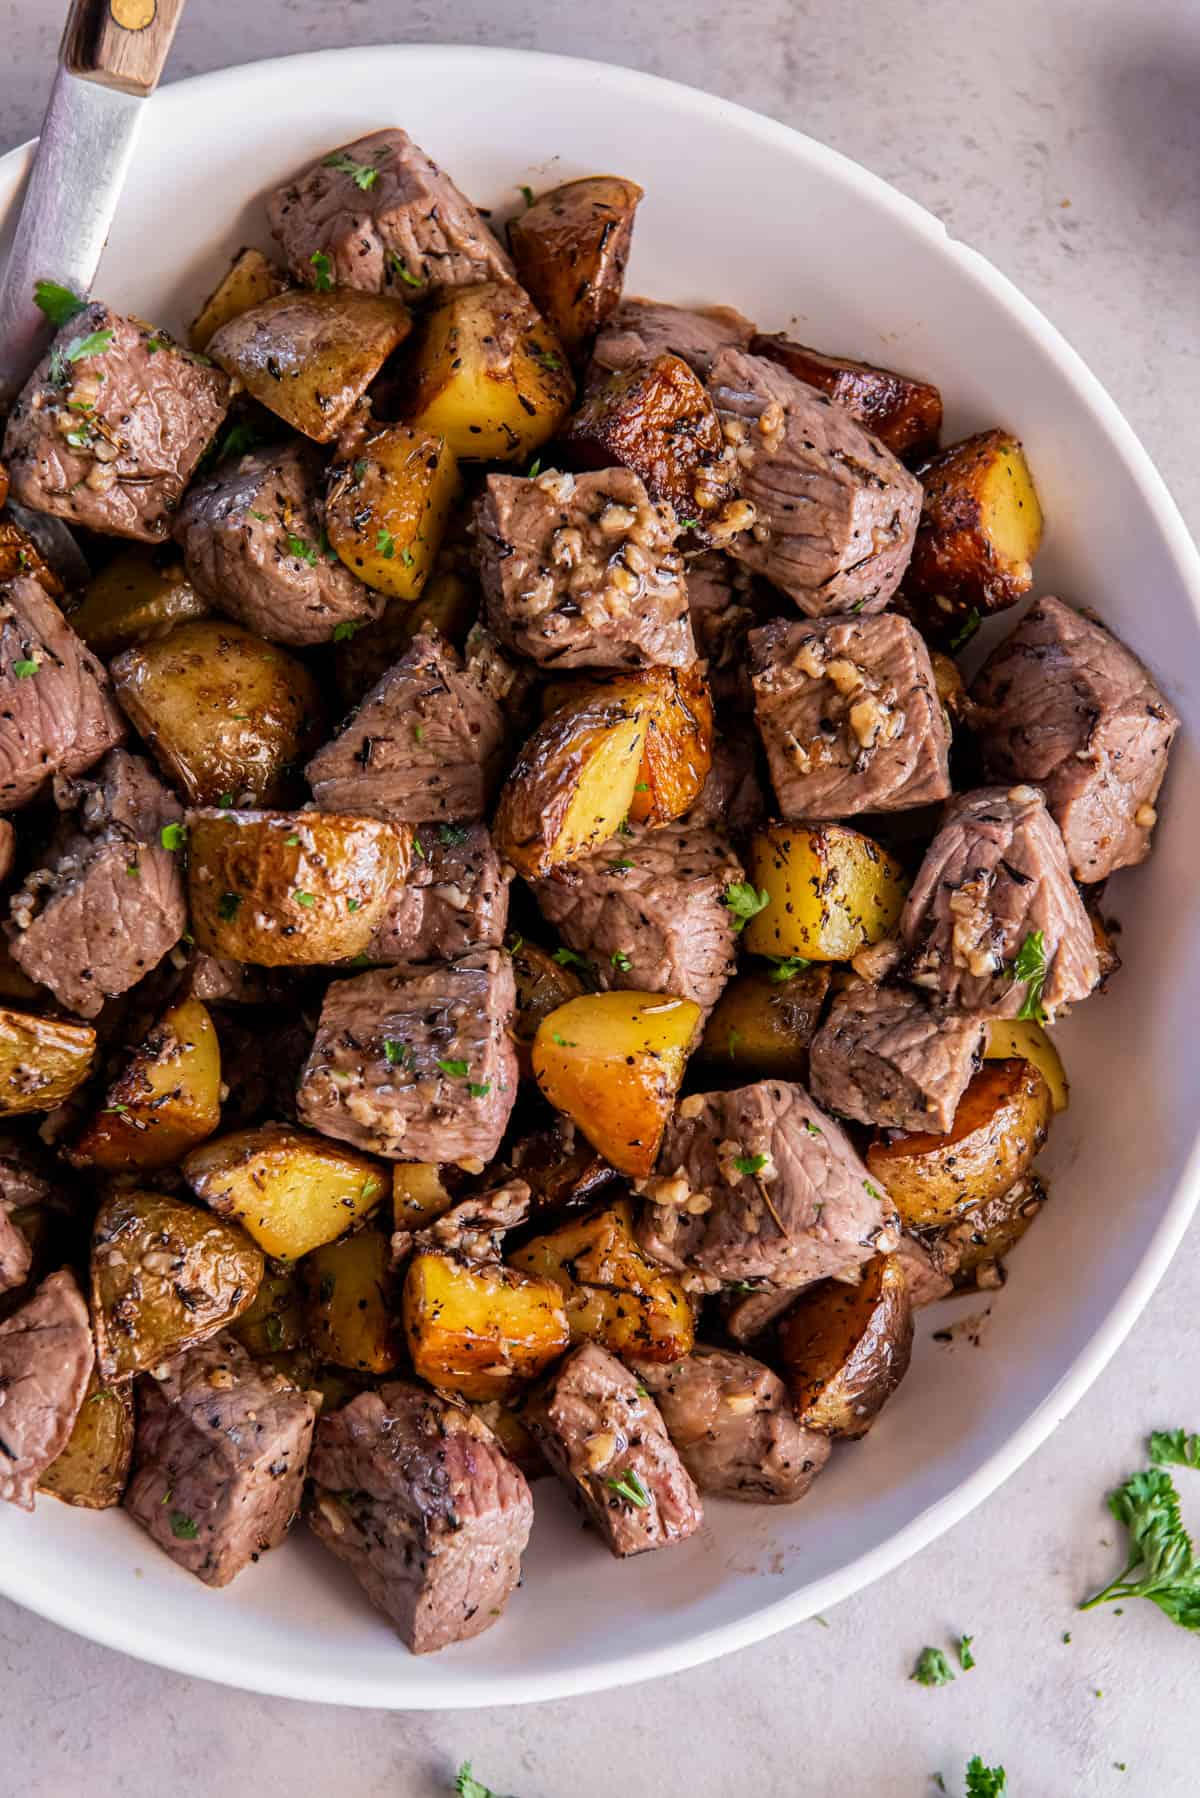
{"x": 425, "y": 745}
{"x": 254, "y": 544}
{"x": 417, "y": 1066}
{"x": 849, "y": 716}
{"x": 1063, "y": 704}
{"x": 46, "y": 1357}
{"x": 16, "y": 1255}
{"x": 608, "y": 1444}
{"x": 419, "y": 1500}
{"x": 582, "y": 572}
{"x": 789, "y": 1200}
{"x": 724, "y": 604}
{"x": 454, "y": 898}
{"x": 994, "y": 923}
{"x": 836, "y": 512}
{"x": 648, "y": 911}
{"x": 886, "y": 1056}
{"x": 219, "y": 1459}
{"x": 731, "y": 1419}
{"x": 641, "y": 330}
{"x": 109, "y": 428}
{"x": 57, "y": 715}
{"x": 732, "y": 797}
{"x": 387, "y": 219}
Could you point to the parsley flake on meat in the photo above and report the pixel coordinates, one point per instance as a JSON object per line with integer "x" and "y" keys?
{"x": 324, "y": 271}
{"x": 567, "y": 958}
{"x": 749, "y": 1164}
{"x": 966, "y": 631}
{"x": 362, "y": 175}
{"x": 630, "y": 1487}
{"x": 479, "y": 1089}
{"x": 24, "y": 669}
{"x": 745, "y": 902}
{"x": 621, "y": 961}
{"x": 183, "y": 1526}
{"x": 172, "y": 836}
{"x": 932, "y": 1668}
{"x": 397, "y": 1054}
{"x": 455, "y": 1070}
{"x": 401, "y": 268}
{"x": 345, "y": 630}
{"x": 304, "y": 551}
{"x": 788, "y": 969}
{"x": 1030, "y": 966}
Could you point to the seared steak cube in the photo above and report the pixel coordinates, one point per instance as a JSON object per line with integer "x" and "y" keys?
{"x": 648, "y": 911}
{"x": 16, "y": 1256}
{"x": 640, "y": 330}
{"x": 849, "y": 716}
{"x": 731, "y": 1419}
{"x": 219, "y": 1459}
{"x": 886, "y": 1056}
{"x": 253, "y": 540}
{"x": 929, "y": 1277}
{"x": 607, "y": 1442}
{"x": 417, "y": 1066}
{"x": 1065, "y": 705}
{"x": 790, "y": 1201}
{"x": 387, "y": 219}
{"x": 46, "y": 1356}
{"x": 57, "y": 715}
{"x": 836, "y": 512}
{"x": 109, "y": 903}
{"x": 732, "y": 797}
{"x": 111, "y": 424}
{"x": 454, "y": 898}
{"x": 994, "y": 923}
{"x": 420, "y": 1501}
{"x": 582, "y": 572}
{"x": 426, "y": 744}
{"x": 725, "y": 603}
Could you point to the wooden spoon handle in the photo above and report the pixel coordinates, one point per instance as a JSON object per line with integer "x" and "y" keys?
{"x": 120, "y": 43}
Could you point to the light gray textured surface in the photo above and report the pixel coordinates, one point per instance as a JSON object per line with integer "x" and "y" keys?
{"x": 1061, "y": 138}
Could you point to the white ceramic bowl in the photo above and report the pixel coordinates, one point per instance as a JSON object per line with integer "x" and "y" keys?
{"x": 742, "y": 210}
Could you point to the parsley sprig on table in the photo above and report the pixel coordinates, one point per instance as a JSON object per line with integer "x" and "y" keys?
{"x": 932, "y": 1668}
{"x": 1162, "y": 1563}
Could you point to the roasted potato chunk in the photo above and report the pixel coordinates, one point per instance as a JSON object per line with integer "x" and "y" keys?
{"x": 141, "y": 595}
{"x": 310, "y": 356}
{"x": 572, "y": 785}
{"x": 570, "y": 247}
{"x": 507, "y": 1426}
{"x": 165, "y": 1276}
{"x": 419, "y": 1194}
{"x": 347, "y": 1303}
{"x": 843, "y": 1350}
{"x": 999, "y": 1129}
{"x": 292, "y": 1190}
{"x": 167, "y": 1099}
{"x": 613, "y": 1063}
{"x": 41, "y": 1061}
{"x": 1026, "y": 1041}
{"x": 543, "y": 984}
{"x": 677, "y": 756}
{"x": 274, "y": 1323}
{"x": 903, "y": 413}
{"x": 226, "y": 716}
{"x": 658, "y": 419}
{"x": 980, "y": 529}
{"x": 248, "y": 282}
{"x": 387, "y": 505}
{"x": 92, "y": 1469}
{"x": 479, "y": 1330}
{"x": 830, "y": 892}
{"x": 487, "y": 374}
{"x": 763, "y": 1023}
{"x": 291, "y": 889}
{"x": 613, "y": 1293}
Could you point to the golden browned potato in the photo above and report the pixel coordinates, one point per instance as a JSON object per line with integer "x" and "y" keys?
{"x": 570, "y": 247}
{"x": 291, "y": 1189}
{"x": 387, "y": 505}
{"x": 677, "y": 756}
{"x": 843, "y": 1350}
{"x": 165, "y": 1276}
{"x": 975, "y": 1246}
{"x": 167, "y": 1098}
{"x": 613, "y": 1293}
{"x": 136, "y": 598}
{"x": 291, "y": 889}
{"x": 763, "y": 1023}
{"x": 903, "y": 413}
{"x": 488, "y": 374}
{"x": 248, "y": 282}
{"x": 347, "y": 1303}
{"x": 226, "y": 716}
{"x": 830, "y": 892}
{"x": 572, "y": 785}
{"x": 658, "y": 419}
{"x": 951, "y": 687}
{"x": 999, "y": 1129}
{"x": 480, "y": 1329}
{"x": 980, "y": 529}
{"x": 42, "y": 1061}
{"x": 1027, "y": 1041}
{"x": 92, "y": 1469}
{"x": 419, "y": 1194}
{"x": 310, "y": 356}
{"x": 274, "y": 1323}
{"x": 543, "y": 984}
{"x": 19, "y": 555}
{"x": 613, "y": 1063}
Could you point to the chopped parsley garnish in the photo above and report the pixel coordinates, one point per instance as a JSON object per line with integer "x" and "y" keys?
{"x": 385, "y": 545}
{"x": 273, "y": 1331}
{"x": 526, "y": 193}
{"x": 620, "y": 867}
{"x": 688, "y": 524}
{"x": 630, "y": 1487}
{"x": 58, "y": 303}
{"x": 91, "y": 345}
{"x": 985, "y": 1782}
{"x": 452, "y": 834}
{"x": 873, "y": 1191}
{"x": 117, "y": 1109}
{"x": 225, "y": 801}
{"x": 1174, "y": 1448}
{"x": 966, "y": 630}
{"x": 398, "y": 1054}
{"x": 24, "y": 669}
{"x": 407, "y": 557}
{"x": 172, "y": 836}
{"x": 745, "y": 902}
{"x": 418, "y": 850}
{"x": 562, "y": 1041}
{"x": 455, "y": 1070}
{"x": 467, "y": 1786}
{"x": 749, "y": 1164}
{"x": 291, "y": 842}
{"x": 625, "y": 828}
{"x": 345, "y": 630}
{"x": 227, "y": 906}
{"x": 535, "y": 468}
{"x": 733, "y": 1039}
{"x": 547, "y": 358}
{"x": 299, "y": 548}
{"x": 966, "y": 1659}
{"x": 1030, "y": 966}
{"x": 932, "y": 1668}
{"x": 304, "y": 898}
{"x": 788, "y": 969}
{"x": 134, "y": 868}
{"x": 479, "y": 1089}
{"x": 324, "y": 271}
{"x": 621, "y": 961}
{"x": 360, "y": 173}
{"x": 352, "y": 905}
{"x": 401, "y": 268}
{"x": 643, "y": 786}
{"x": 183, "y": 1526}
{"x": 813, "y": 1129}
{"x": 419, "y": 733}
{"x": 1162, "y": 1564}
{"x": 153, "y": 345}
{"x": 238, "y": 440}
{"x": 567, "y": 958}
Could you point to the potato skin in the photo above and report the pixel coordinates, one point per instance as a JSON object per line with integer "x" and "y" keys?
{"x": 903, "y": 413}
{"x": 1022, "y": 1039}
{"x": 657, "y": 419}
{"x": 19, "y": 555}
{"x": 977, "y": 1244}
{"x": 347, "y": 1303}
{"x": 831, "y": 891}
{"x": 137, "y": 597}
{"x": 387, "y": 504}
{"x": 677, "y": 756}
{"x": 419, "y": 1195}
{"x": 249, "y": 280}
{"x": 291, "y": 1190}
{"x": 167, "y": 1098}
{"x": 571, "y": 786}
{"x": 478, "y": 1330}
{"x": 42, "y": 1061}
{"x": 761, "y": 1027}
{"x": 542, "y": 986}
{"x": 570, "y": 248}
{"x": 92, "y": 1469}
{"x": 273, "y": 1324}
{"x": 980, "y": 528}
{"x": 844, "y": 1349}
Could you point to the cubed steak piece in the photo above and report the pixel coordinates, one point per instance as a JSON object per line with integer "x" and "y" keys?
{"x": 1065, "y": 705}
{"x": 836, "y": 512}
{"x": 994, "y": 923}
{"x": 219, "y": 1459}
{"x": 417, "y": 1066}
{"x": 789, "y": 1201}
{"x": 425, "y": 745}
{"x": 420, "y": 1501}
{"x": 640, "y": 330}
{"x": 381, "y": 215}
{"x": 254, "y": 544}
{"x": 582, "y": 571}
{"x": 725, "y": 603}
{"x": 731, "y": 798}
{"x": 57, "y": 714}
{"x": 607, "y": 1442}
{"x": 16, "y": 1256}
{"x": 46, "y": 1357}
{"x": 849, "y": 716}
{"x": 648, "y": 911}
{"x": 929, "y": 1276}
{"x": 111, "y": 424}
{"x": 731, "y": 1419}
{"x": 886, "y": 1056}
{"x": 455, "y": 898}
{"x": 110, "y": 902}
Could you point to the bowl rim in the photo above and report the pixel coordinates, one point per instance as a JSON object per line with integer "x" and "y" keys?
{"x": 120, "y": 1629}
